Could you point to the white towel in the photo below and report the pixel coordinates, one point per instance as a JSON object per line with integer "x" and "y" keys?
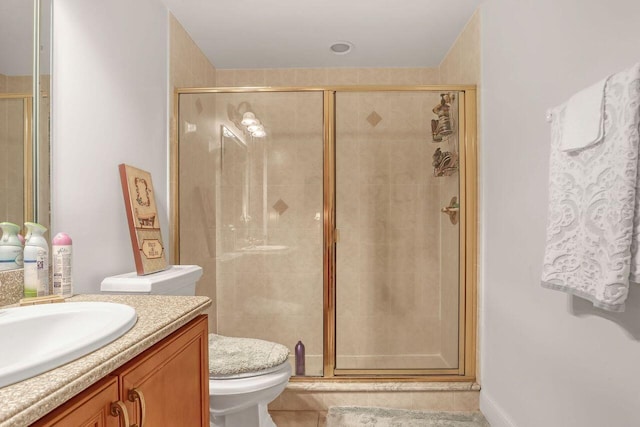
{"x": 593, "y": 230}
{"x": 583, "y": 123}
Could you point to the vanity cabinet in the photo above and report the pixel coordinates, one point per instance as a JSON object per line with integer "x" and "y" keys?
{"x": 167, "y": 385}
{"x": 92, "y": 408}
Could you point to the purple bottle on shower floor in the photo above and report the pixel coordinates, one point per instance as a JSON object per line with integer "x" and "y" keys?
{"x": 299, "y": 358}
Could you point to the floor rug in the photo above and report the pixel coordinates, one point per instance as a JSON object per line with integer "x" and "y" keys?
{"x": 354, "y": 416}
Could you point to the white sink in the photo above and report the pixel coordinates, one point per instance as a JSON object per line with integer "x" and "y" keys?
{"x": 37, "y": 338}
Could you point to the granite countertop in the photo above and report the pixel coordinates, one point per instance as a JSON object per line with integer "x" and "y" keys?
{"x": 158, "y": 316}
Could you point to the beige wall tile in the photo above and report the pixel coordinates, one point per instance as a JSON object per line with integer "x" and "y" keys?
{"x": 466, "y": 401}
{"x": 302, "y": 401}
{"x": 311, "y": 76}
{"x": 461, "y": 65}
{"x": 345, "y": 399}
{"x": 327, "y": 76}
{"x": 342, "y": 76}
{"x": 295, "y": 418}
{"x": 374, "y": 76}
{"x": 280, "y": 77}
{"x": 432, "y": 400}
{"x": 225, "y": 78}
{"x": 249, "y": 78}
{"x": 391, "y": 399}
{"x": 429, "y": 76}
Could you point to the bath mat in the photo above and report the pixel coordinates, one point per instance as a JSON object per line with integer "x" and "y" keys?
{"x": 354, "y": 416}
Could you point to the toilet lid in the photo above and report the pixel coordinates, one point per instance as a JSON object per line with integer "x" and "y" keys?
{"x": 229, "y": 356}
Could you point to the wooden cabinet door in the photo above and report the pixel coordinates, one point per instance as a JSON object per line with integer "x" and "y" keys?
{"x": 90, "y": 408}
{"x": 170, "y": 380}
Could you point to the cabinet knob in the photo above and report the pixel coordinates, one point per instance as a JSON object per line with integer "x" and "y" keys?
{"x": 120, "y": 411}
{"x": 136, "y": 394}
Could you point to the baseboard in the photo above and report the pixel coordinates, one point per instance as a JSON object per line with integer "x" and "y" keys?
{"x": 492, "y": 411}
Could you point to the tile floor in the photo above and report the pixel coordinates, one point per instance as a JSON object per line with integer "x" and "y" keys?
{"x": 299, "y": 418}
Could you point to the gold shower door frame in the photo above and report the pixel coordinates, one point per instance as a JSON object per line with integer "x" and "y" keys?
{"x": 467, "y": 306}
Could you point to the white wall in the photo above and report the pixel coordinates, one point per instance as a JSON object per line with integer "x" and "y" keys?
{"x": 547, "y": 359}
{"x": 109, "y": 107}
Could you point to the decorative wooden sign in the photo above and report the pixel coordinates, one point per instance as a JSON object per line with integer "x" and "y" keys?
{"x": 142, "y": 215}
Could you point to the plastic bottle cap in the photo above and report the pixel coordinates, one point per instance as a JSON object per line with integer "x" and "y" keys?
{"x": 61, "y": 239}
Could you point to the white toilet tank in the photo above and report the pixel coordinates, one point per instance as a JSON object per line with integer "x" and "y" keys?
{"x": 175, "y": 280}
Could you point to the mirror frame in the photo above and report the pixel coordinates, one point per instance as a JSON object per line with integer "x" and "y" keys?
{"x": 32, "y": 193}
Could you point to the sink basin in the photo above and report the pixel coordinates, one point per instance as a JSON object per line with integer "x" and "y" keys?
{"x": 37, "y": 338}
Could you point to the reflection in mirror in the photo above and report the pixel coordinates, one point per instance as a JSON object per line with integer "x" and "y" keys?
{"x": 25, "y": 52}
{"x": 16, "y": 86}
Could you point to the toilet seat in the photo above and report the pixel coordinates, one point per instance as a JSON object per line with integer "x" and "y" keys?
{"x": 250, "y": 381}
{"x": 240, "y": 357}
{"x": 267, "y": 371}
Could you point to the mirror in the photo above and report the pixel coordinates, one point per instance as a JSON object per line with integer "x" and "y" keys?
{"x": 25, "y": 70}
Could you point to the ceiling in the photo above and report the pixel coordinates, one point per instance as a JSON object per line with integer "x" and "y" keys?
{"x": 298, "y": 33}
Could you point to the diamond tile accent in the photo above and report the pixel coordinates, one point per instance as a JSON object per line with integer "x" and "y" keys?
{"x": 374, "y": 118}
{"x": 280, "y": 206}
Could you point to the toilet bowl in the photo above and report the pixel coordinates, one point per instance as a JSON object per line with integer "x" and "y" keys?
{"x": 245, "y": 374}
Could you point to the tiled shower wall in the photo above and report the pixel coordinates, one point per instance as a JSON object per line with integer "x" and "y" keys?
{"x": 12, "y": 147}
{"x": 390, "y": 314}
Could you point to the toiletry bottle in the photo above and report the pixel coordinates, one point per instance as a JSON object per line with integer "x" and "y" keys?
{"x": 61, "y": 256}
{"x": 36, "y": 261}
{"x": 299, "y": 350}
{"x": 10, "y": 247}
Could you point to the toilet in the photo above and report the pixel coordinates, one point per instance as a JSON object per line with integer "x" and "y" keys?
{"x": 245, "y": 374}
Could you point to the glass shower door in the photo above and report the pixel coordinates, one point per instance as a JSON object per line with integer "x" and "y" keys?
{"x": 251, "y": 213}
{"x": 397, "y": 258}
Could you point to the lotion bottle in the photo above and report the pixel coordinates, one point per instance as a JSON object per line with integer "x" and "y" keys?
{"x": 299, "y": 350}
{"x": 36, "y": 261}
{"x": 61, "y": 256}
{"x": 10, "y": 247}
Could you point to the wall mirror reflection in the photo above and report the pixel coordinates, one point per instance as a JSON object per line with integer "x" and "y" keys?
{"x": 25, "y": 71}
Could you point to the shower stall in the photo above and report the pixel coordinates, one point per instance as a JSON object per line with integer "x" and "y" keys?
{"x": 16, "y": 193}
{"x": 341, "y": 217}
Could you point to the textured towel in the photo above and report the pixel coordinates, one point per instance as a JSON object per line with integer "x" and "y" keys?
{"x": 233, "y": 356}
{"x": 348, "y": 416}
{"x": 583, "y": 123}
{"x": 593, "y": 230}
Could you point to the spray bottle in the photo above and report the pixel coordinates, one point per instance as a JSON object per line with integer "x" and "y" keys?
{"x": 36, "y": 261}
{"x": 10, "y": 247}
{"x": 61, "y": 255}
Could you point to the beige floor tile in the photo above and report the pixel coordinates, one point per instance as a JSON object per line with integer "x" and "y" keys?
{"x": 322, "y": 419}
{"x": 295, "y": 418}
